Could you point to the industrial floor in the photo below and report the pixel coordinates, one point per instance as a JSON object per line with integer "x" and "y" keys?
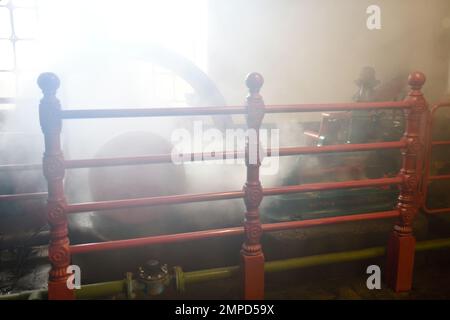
{"x": 338, "y": 281}
{"x": 345, "y": 281}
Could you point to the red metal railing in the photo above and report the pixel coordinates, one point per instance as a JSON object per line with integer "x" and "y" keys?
{"x": 401, "y": 244}
{"x": 430, "y": 144}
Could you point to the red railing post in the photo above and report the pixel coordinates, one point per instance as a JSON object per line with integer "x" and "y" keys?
{"x": 401, "y": 245}
{"x": 53, "y": 167}
{"x": 252, "y": 258}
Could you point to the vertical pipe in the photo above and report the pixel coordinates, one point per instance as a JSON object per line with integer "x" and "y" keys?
{"x": 53, "y": 167}
{"x": 252, "y": 258}
{"x": 401, "y": 245}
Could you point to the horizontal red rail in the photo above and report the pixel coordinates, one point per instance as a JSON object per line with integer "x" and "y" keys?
{"x": 288, "y": 151}
{"x": 150, "y": 112}
{"x": 205, "y": 111}
{"x": 332, "y": 186}
{"x": 442, "y": 177}
{"x": 319, "y": 107}
{"x": 158, "y": 158}
{"x": 186, "y": 198}
{"x": 23, "y": 196}
{"x": 167, "y": 158}
{"x": 285, "y": 151}
{"x": 152, "y": 201}
{"x": 20, "y": 167}
{"x": 219, "y": 233}
{"x": 440, "y": 143}
{"x": 430, "y": 144}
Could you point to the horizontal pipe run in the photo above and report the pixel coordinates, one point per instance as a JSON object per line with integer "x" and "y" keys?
{"x": 436, "y": 211}
{"x": 23, "y": 196}
{"x": 210, "y": 274}
{"x": 308, "y": 261}
{"x": 20, "y": 167}
{"x": 289, "y": 151}
{"x": 150, "y": 112}
{"x": 226, "y": 110}
{"x": 151, "y": 159}
{"x": 441, "y": 177}
{"x": 223, "y": 155}
{"x": 152, "y": 201}
{"x": 440, "y": 143}
{"x": 322, "y": 186}
{"x": 280, "y": 226}
{"x": 302, "y": 262}
{"x": 98, "y": 290}
{"x": 219, "y": 233}
{"x": 213, "y": 196}
{"x": 172, "y": 238}
{"x": 319, "y": 107}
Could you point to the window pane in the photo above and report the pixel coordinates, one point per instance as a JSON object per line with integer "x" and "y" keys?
{"x": 6, "y": 55}
{"x": 27, "y": 55}
{"x": 24, "y": 3}
{"x": 25, "y": 23}
{"x": 7, "y": 85}
{"x": 5, "y": 23}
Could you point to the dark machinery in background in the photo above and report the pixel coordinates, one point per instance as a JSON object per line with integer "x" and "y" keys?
{"x": 350, "y": 127}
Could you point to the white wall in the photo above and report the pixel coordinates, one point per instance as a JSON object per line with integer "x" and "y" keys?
{"x": 313, "y": 50}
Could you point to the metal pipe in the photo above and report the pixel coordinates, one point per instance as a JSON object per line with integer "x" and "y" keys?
{"x": 302, "y": 262}
{"x": 322, "y": 186}
{"x": 440, "y": 143}
{"x": 200, "y": 197}
{"x": 23, "y": 196}
{"x": 210, "y": 274}
{"x": 205, "y": 111}
{"x": 149, "y": 112}
{"x": 222, "y": 155}
{"x": 104, "y": 289}
{"x": 218, "y": 233}
{"x": 20, "y": 167}
{"x": 316, "y": 107}
{"x": 152, "y": 201}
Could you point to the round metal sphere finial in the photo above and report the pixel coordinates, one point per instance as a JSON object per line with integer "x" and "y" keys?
{"x": 254, "y": 82}
{"x": 416, "y": 80}
{"x": 48, "y": 82}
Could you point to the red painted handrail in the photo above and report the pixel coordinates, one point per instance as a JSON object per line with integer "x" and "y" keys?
{"x": 225, "y": 232}
{"x": 284, "y": 151}
{"x": 430, "y": 144}
{"x": 206, "y": 111}
{"x": 401, "y": 245}
{"x": 213, "y": 196}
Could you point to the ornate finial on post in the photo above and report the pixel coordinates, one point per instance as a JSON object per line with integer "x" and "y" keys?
{"x": 366, "y": 83}
{"x": 49, "y": 83}
{"x": 252, "y": 258}
{"x": 416, "y": 80}
{"x": 50, "y": 106}
{"x": 401, "y": 246}
{"x": 54, "y": 169}
{"x": 254, "y": 82}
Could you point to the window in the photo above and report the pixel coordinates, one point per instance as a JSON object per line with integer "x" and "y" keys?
{"x": 18, "y": 23}
{"x": 56, "y": 35}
